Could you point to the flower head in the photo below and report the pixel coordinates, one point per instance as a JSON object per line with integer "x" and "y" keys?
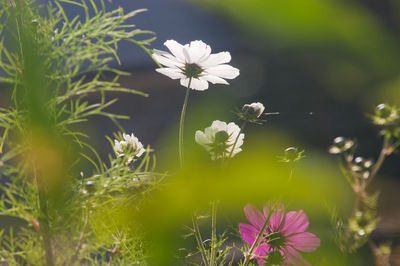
{"x": 282, "y": 238}
{"x": 219, "y": 138}
{"x": 194, "y": 61}
{"x": 129, "y": 145}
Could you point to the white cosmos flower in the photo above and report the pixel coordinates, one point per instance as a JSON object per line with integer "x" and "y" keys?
{"x": 195, "y": 61}
{"x": 129, "y": 144}
{"x": 219, "y": 138}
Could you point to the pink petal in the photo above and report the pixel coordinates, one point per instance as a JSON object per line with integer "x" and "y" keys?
{"x": 276, "y": 221}
{"x": 248, "y": 233}
{"x": 254, "y": 216}
{"x": 305, "y": 241}
{"x": 261, "y": 251}
{"x": 292, "y": 257}
{"x": 295, "y": 222}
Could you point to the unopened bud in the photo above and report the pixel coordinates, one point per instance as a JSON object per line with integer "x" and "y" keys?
{"x": 254, "y": 109}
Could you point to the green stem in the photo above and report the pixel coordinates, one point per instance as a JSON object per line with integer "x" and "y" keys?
{"x": 385, "y": 151}
{"x": 182, "y": 122}
{"x": 213, "y": 231}
{"x": 44, "y": 219}
{"x": 249, "y": 254}
{"x": 199, "y": 240}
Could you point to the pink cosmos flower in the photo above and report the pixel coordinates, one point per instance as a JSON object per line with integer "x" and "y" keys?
{"x": 282, "y": 238}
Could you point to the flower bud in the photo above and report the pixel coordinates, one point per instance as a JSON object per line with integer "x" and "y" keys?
{"x": 340, "y": 145}
{"x": 383, "y": 110}
{"x": 292, "y": 154}
{"x": 386, "y": 115}
{"x": 253, "y": 109}
{"x": 368, "y": 163}
{"x": 358, "y": 164}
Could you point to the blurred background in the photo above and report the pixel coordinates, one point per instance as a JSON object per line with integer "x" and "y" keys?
{"x": 322, "y": 64}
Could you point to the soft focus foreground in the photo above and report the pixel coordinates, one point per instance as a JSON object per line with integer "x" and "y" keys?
{"x": 65, "y": 201}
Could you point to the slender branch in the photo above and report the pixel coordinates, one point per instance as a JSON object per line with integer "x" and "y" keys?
{"x": 199, "y": 240}
{"x": 181, "y": 124}
{"x": 382, "y": 155}
{"x": 379, "y": 258}
{"x": 213, "y": 232}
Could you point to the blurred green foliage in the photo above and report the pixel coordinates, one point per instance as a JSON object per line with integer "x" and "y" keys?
{"x": 350, "y": 52}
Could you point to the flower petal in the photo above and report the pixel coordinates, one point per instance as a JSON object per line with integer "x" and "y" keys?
{"x": 295, "y": 222}
{"x": 215, "y": 80}
{"x": 293, "y": 257}
{"x": 197, "y": 50}
{"x": 305, "y": 241}
{"x": 248, "y": 233}
{"x": 216, "y": 59}
{"x": 175, "y": 48}
{"x": 173, "y": 73}
{"x": 223, "y": 71}
{"x": 195, "y": 84}
{"x": 276, "y": 221}
{"x": 202, "y": 139}
{"x": 260, "y": 254}
{"x": 255, "y": 217}
{"x": 169, "y": 62}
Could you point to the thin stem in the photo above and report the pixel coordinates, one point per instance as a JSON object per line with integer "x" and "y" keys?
{"x": 43, "y": 220}
{"x": 199, "y": 240}
{"x": 182, "y": 123}
{"x": 382, "y": 155}
{"x": 213, "y": 231}
{"x": 291, "y": 171}
{"x": 260, "y": 233}
{"x": 379, "y": 258}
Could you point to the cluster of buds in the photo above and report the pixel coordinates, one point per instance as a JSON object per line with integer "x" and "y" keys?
{"x": 362, "y": 166}
{"x": 388, "y": 117}
{"x": 362, "y": 224}
{"x": 341, "y": 145}
{"x": 252, "y": 113}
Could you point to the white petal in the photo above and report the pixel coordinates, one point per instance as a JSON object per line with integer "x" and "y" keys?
{"x": 173, "y": 73}
{"x": 198, "y": 50}
{"x": 214, "y": 79}
{"x": 216, "y": 59}
{"x": 223, "y": 71}
{"x": 187, "y": 54}
{"x": 203, "y": 140}
{"x": 175, "y": 48}
{"x": 195, "y": 84}
{"x": 219, "y": 125}
{"x": 169, "y": 62}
